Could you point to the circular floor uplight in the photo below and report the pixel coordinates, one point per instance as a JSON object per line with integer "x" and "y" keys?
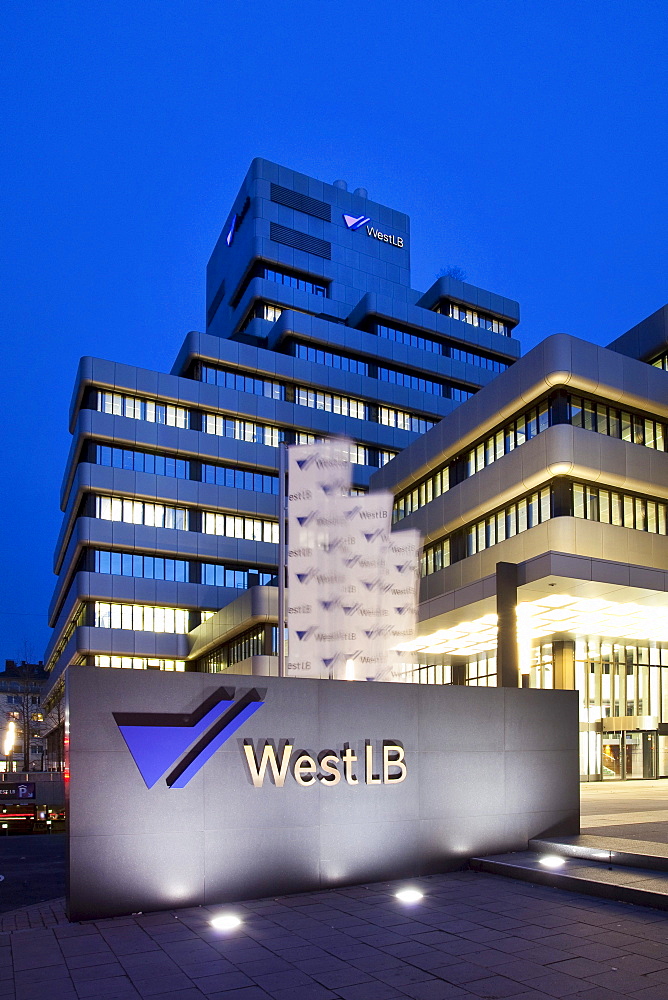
{"x": 226, "y": 922}
{"x": 552, "y": 861}
{"x": 409, "y": 895}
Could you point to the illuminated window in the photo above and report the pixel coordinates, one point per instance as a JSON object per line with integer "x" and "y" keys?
{"x": 140, "y": 618}
{"x": 139, "y": 663}
{"x": 156, "y": 515}
{"x": 137, "y": 408}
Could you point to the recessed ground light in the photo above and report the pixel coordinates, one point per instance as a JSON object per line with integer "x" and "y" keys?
{"x": 552, "y": 861}
{"x": 225, "y": 922}
{"x": 409, "y": 895}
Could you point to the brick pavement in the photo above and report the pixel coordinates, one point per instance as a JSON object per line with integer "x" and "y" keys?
{"x": 473, "y": 936}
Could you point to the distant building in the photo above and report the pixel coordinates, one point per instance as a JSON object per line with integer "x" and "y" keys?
{"x": 21, "y": 687}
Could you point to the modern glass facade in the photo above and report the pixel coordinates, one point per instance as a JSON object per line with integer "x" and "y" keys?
{"x": 170, "y": 497}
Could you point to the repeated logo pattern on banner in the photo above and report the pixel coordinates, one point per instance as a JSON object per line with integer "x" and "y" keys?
{"x": 352, "y": 585}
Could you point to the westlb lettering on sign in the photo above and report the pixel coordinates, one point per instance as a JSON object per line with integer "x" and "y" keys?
{"x": 328, "y": 768}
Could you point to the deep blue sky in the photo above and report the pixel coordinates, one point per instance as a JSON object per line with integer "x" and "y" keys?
{"x": 527, "y": 141}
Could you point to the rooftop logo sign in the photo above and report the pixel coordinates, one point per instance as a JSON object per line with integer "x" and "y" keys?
{"x": 356, "y": 222}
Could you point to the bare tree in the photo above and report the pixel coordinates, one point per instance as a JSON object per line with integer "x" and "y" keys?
{"x": 452, "y": 271}
{"x": 26, "y": 680}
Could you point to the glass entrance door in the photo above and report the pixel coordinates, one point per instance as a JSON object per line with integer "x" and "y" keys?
{"x": 630, "y": 754}
{"x": 612, "y": 757}
{"x": 640, "y": 755}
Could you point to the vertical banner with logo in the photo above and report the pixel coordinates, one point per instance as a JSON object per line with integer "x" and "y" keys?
{"x": 352, "y": 585}
{"x": 401, "y": 600}
{"x": 319, "y": 477}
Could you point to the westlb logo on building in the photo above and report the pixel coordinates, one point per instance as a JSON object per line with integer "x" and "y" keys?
{"x": 355, "y": 222}
{"x": 178, "y": 745}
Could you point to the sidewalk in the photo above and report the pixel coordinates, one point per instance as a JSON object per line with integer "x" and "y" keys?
{"x": 473, "y": 936}
{"x": 636, "y": 809}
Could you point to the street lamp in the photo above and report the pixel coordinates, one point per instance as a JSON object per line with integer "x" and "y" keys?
{"x": 8, "y": 745}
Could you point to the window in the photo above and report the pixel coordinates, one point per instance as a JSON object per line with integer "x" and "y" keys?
{"x": 157, "y": 515}
{"x": 262, "y": 310}
{"x": 137, "y": 408}
{"x": 141, "y": 461}
{"x": 258, "y": 641}
{"x": 622, "y": 424}
{"x": 448, "y": 350}
{"x": 242, "y": 382}
{"x": 293, "y": 279}
{"x": 597, "y": 503}
{"x": 332, "y": 359}
{"x": 558, "y": 408}
{"x": 239, "y": 479}
{"x": 405, "y": 421}
{"x": 240, "y": 578}
{"x": 140, "y": 618}
{"x": 139, "y": 663}
{"x": 347, "y": 406}
{"x": 177, "y": 468}
{"x": 253, "y": 529}
{"x": 466, "y": 314}
{"x": 332, "y": 403}
{"x": 525, "y": 513}
{"x": 242, "y": 430}
{"x": 146, "y": 567}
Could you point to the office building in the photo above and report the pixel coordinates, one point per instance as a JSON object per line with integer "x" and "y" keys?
{"x": 557, "y": 471}
{"x": 539, "y": 482}
{"x": 168, "y": 546}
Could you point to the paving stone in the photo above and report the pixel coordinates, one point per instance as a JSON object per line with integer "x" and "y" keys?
{"x": 496, "y": 987}
{"x": 519, "y": 969}
{"x": 45, "y": 974}
{"x": 295, "y": 993}
{"x": 401, "y": 976}
{"x": 167, "y": 984}
{"x": 222, "y": 981}
{"x": 434, "y": 990}
{"x": 200, "y": 969}
{"x": 580, "y": 967}
{"x": 369, "y": 991}
{"x": 598, "y": 993}
{"x": 249, "y": 993}
{"x": 341, "y": 977}
{"x": 102, "y": 971}
{"x": 188, "y": 994}
{"x": 640, "y": 964}
{"x": 598, "y": 952}
{"x": 461, "y": 973}
{"x": 556, "y": 984}
{"x": 544, "y": 955}
{"x": 623, "y": 982}
{"x": 276, "y": 981}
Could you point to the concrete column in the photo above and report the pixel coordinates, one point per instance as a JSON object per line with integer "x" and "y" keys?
{"x": 507, "y": 658}
{"x": 563, "y": 652}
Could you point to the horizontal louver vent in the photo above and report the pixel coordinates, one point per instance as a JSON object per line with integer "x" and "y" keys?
{"x": 300, "y": 241}
{"x": 301, "y": 202}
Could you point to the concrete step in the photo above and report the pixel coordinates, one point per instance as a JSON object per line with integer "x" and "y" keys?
{"x": 606, "y": 850}
{"x": 642, "y": 886}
